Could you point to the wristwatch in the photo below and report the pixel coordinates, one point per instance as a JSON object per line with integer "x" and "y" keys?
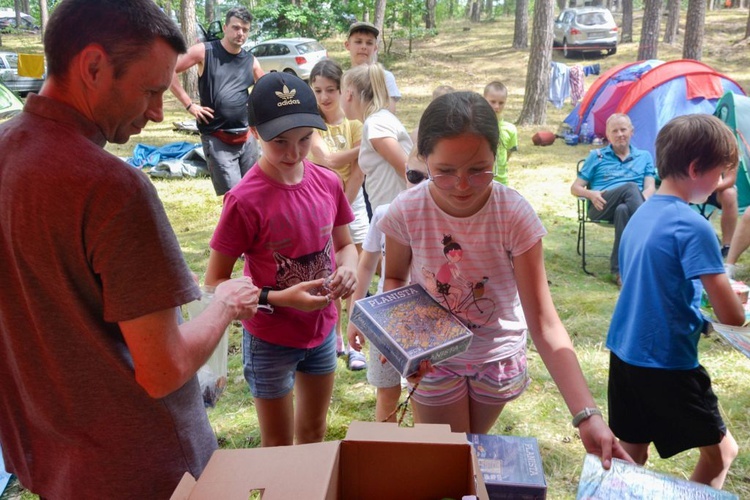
{"x": 585, "y": 414}
{"x": 263, "y": 304}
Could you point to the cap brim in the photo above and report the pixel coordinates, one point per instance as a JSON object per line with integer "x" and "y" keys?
{"x": 278, "y": 126}
{"x": 368, "y": 29}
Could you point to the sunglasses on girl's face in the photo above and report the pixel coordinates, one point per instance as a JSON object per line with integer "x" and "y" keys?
{"x": 415, "y": 176}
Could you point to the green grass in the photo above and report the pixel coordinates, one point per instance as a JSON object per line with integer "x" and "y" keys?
{"x": 469, "y": 60}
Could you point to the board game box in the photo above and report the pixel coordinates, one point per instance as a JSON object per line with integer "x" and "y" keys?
{"x": 407, "y": 325}
{"x": 626, "y": 481}
{"x": 511, "y": 466}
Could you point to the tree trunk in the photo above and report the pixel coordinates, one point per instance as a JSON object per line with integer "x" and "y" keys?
{"x": 187, "y": 19}
{"x": 44, "y": 14}
{"x": 18, "y": 6}
{"x": 649, "y": 46}
{"x": 534, "y": 110}
{"x": 673, "y": 21}
{"x": 521, "y": 26}
{"x": 747, "y": 27}
{"x": 692, "y": 47}
{"x": 25, "y": 7}
{"x": 489, "y": 8}
{"x": 429, "y": 17}
{"x": 627, "y": 22}
{"x": 560, "y": 4}
{"x": 380, "y": 16}
{"x": 210, "y": 17}
{"x": 475, "y": 11}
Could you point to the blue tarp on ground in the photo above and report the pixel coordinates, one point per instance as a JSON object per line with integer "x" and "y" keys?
{"x": 4, "y": 475}
{"x": 174, "y": 160}
{"x": 146, "y": 155}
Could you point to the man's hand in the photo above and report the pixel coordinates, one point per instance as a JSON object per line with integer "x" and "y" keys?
{"x": 597, "y": 199}
{"x": 239, "y": 295}
{"x": 202, "y": 114}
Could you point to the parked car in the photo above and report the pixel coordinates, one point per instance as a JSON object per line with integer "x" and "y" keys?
{"x": 290, "y": 55}
{"x": 8, "y": 21}
{"x": 586, "y": 29}
{"x": 9, "y": 75}
{"x": 10, "y": 104}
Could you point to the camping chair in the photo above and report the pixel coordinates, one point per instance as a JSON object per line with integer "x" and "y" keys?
{"x": 583, "y": 220}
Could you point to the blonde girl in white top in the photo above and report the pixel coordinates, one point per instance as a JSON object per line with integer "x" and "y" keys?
{"x": 385, "y": 142}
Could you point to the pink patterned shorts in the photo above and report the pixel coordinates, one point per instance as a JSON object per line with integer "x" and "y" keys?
{"x": 490, "y": 383}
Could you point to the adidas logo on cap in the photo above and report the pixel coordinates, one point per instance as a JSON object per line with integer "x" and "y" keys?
{"x": 287, "y": 97}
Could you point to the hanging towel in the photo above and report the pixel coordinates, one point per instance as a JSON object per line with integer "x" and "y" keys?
{"x": 577, "y": 83}
{"x": 559, "y": 86}
{"x": 31, "y": 65}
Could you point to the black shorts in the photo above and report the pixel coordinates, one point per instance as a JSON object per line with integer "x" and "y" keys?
{"x": 674, "y": 409}
{"x": 713, "y": 199}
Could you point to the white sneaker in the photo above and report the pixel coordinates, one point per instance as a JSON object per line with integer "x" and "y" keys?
{"x": 730, "y": 269}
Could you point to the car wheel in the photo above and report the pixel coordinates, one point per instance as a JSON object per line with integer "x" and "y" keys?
{"x": 612, "y": 51}
{"x": 290, "y": 71}
{"x": 567, "y": 53}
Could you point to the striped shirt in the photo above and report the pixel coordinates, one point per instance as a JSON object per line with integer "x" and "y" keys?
{"x": 466, "y": 263}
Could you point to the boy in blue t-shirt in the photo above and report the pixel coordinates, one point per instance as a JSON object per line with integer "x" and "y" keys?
{"x": 658, "y": 391}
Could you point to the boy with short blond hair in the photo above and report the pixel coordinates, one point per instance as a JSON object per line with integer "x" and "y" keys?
{"x": 362, "y": 45}
{"x": 496, "y": 94}
{"x": 658, "y": 391}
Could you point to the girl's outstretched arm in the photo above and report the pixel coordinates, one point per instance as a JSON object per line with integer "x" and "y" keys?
{"x": 556, "y": 350}
{"x": 368, "y": 262}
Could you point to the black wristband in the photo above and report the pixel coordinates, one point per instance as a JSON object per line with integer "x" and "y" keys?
{"x": 187, "y": 108}
{"x": 263, "y": 304}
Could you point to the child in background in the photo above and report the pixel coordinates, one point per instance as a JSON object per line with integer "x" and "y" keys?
{"x": 381, "y": 375}
{"x": 437, "y": 92}
{"x": 497, "y": 94}
{"x": 289, "y": 218}
{"x": 362, "y": 45}
{"x": 338, "y": 149}
{"x": 385, "y": 142}
{"x": 493, "y": 241}
{"x": 658, "y": 391}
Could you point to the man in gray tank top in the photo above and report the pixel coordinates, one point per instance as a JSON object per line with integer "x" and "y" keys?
{"x": 226, "y": 72}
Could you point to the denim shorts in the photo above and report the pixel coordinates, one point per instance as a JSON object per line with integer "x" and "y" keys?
{"x": 270, "y": 368}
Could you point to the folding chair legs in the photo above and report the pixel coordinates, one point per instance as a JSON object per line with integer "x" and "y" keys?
{"x": 581, "y": 246}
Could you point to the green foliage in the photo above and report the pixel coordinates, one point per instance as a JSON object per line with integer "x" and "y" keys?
{"x": 315, "y": 18}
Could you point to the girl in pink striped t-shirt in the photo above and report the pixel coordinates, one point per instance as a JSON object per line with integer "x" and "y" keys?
{"x": 476, "y": 246}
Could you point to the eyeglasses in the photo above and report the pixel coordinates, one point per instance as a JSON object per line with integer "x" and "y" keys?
{"x": 415, "y": 176}
{"x": 478, "y": 180}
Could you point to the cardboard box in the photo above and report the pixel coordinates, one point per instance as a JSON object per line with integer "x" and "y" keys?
{"x": 407, "y": 325}
{"x": 511, "y": 466}
{"x": 626, "y": 480}
{"x": 374, "y": 461}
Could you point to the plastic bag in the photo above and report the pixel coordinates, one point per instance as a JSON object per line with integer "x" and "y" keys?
{"x": 212, "y": 376}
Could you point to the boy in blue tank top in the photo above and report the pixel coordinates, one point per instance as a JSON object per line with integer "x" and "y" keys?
{"x": 658, "y": 391}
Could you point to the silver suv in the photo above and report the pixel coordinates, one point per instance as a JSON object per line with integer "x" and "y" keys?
{"x": 590, "y": 29}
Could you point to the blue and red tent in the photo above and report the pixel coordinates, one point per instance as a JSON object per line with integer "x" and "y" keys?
{"x": 651, "y": 93}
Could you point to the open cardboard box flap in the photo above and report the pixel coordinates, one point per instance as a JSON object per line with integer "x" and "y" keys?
{"x": 374, "y": 461}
